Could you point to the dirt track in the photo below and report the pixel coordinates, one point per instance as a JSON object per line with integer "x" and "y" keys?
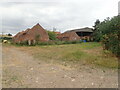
{"x": 20, "y": 70}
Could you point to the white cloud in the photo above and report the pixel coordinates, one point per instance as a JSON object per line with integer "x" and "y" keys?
{"x": 63, "y": 14}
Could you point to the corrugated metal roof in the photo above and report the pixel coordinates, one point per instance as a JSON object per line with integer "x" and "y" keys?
{"x": 81, "y": 30}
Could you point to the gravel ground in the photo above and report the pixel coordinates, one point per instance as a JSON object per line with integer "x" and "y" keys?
{"x": 20, "y": 70}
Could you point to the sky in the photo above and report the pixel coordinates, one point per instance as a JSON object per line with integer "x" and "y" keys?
{"x": 18, "y": 15}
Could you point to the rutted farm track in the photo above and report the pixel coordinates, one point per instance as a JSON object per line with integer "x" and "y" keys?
{"x": 21, "y": 70}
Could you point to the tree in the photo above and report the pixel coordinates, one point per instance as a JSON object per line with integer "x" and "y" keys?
{"x": 108, "y": 32}
{"x": 52, "y": 35}
{"x": 97, "y": 22}
{"x": 96, "y": 32}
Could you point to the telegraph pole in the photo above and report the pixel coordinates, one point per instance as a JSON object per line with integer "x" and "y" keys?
{"x": 119, "y": 8}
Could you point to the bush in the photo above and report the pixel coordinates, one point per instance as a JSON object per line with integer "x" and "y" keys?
{"x": 57, "y": 42}
{"x": 108, "y": 32}
{"x": 111, "y": 42}
{"x": 42, "y": 43}
{"x": 24, "y": 43}
{"x": 52, "y": 35}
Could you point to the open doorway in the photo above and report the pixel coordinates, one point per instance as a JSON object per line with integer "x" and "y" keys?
{"x": 82, "y": 34}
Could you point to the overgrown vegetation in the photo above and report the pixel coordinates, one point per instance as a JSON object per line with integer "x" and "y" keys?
{"x": 52, "y": 35}
{"x": 56, "y": 42}
{"x": 89, "y": 53}
{"x": 108, "y": 32}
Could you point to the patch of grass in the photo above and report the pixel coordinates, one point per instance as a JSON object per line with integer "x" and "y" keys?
{"x": 52, "y": 42}
{"x": 107, "y": 59}
{"x": 74, "y": 56}
{"x": 11, "y": 79}
{"x": 107, "y": 62}
{"x": 90, "y": 45}
{"x": 89, "y": 53}
{"x": 91, "y": 59}
{"x": 14, "y": 78}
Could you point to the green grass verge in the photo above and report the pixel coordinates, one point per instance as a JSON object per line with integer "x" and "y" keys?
{"x": 88, "y": 53}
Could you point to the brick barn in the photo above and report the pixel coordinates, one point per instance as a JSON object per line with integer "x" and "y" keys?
{"x": 36, "y": 33}
{"x": 76, "y": 34}
{"x": 68, "y": 36}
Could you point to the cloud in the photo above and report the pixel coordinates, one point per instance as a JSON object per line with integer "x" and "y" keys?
{"x": 64, "y": 15}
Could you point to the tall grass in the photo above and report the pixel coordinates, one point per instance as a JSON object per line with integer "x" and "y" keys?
{"x": 89, "y": 53}
{"x": 85, "y": 53}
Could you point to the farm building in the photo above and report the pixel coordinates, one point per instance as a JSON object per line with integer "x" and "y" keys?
{"x": 68, "y": 36}
{"x": 36, "y": 33}
{"x": 76, "y": 34}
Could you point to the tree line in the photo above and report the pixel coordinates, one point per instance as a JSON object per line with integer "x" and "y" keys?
{"x": 108, "y": 32}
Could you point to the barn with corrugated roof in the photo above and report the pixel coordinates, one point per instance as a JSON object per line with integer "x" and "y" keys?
{"x": 76, "y": 34}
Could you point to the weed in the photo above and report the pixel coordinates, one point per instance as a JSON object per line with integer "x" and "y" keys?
{"x": 89, "y": 53}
